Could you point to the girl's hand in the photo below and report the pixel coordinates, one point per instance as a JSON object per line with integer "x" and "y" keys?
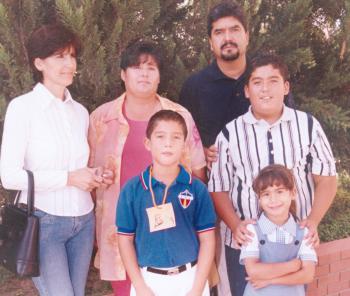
{"x": 258, "y": 284}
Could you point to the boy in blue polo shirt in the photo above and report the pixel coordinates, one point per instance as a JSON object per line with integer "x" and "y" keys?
{"x": 166, "y": 219}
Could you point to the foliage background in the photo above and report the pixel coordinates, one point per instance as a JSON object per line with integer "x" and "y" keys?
{"x": 312, "y": 35}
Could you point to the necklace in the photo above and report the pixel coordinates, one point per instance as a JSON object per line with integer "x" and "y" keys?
{"x": 151, "y": 190}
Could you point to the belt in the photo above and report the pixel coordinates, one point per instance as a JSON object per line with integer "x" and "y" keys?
{"x": 172, "y": 271}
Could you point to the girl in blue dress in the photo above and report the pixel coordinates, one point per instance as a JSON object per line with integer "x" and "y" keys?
{"x": 278, "y": 260}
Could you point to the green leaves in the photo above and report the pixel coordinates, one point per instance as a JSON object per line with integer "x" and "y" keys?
{"x": 312, "y": 36}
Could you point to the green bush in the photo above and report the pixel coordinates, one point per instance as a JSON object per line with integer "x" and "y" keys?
{"x": 336, "y": 223}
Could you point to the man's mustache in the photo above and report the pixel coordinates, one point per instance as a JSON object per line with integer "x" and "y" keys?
{"x": 229, "y": 43}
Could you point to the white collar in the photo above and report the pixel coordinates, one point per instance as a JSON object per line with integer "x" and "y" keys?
{"x": 249, "y": 117}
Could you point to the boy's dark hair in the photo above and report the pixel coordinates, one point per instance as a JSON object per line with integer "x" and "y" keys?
{"x": 225, "y": 9}
{"x": 136, "y": 50}
{"x": 265, "y": 59}
{"x": 48, "y": 40}
{"x": 275, "y": 175}
{"x": 166, "y": 115}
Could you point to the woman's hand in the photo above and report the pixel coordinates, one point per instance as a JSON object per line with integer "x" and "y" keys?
{"x": 108, "y": 177}
{"x": 86, "y": 179}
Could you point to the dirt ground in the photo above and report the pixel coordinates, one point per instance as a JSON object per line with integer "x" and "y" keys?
{"x": 12, "y": 286}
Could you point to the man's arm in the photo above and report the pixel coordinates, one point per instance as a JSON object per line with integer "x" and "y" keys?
{"x": 205, "y": 261}
{"x": 201, "y": 174}
{"x": 226, "y": 212}
{"x": 128, "y": 254}
{"x": 325, "y": 190}
{"x": 323, "y": 174}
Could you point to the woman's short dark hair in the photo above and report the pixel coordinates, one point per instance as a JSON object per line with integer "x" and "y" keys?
{"x": 47, "y": 40}
{"x": 166, "y": 115}
{"x": 135, "y": 51}
{"x": 225, "y": 9}
{"x": 266, "y": 58}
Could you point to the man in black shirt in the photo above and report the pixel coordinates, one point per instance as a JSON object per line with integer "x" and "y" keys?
{"x": 215, "y": 96}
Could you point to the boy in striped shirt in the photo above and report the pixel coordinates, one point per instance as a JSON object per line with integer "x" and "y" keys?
{"x": 269, "y": 133}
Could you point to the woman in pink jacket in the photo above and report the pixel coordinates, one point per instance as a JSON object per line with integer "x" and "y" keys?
{"x": 116, "y": 136}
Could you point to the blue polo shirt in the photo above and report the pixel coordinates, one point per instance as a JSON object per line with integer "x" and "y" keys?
{"x": 194, "y": 213}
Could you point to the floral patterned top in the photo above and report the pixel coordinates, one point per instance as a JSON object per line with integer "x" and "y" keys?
{"x": 107, "y": 135}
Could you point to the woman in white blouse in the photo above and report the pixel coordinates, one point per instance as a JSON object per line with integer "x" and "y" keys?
{"x": 45, "y": 131}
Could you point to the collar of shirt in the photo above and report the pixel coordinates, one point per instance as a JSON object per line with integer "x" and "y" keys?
{"x": 116, "y": 110}
{"x": 217, "y": 74}
{"x": 268, "y": 227}
{"x": 47, "y": 98}
{"x": 183, "y": 177}
{"x": 249, "y": 117}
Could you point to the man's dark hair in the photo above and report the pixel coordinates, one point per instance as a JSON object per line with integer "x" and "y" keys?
{"x": 225, "y": 9}
{"x": 166, "y": 115}
{"x": 265, "y": 59}
{"x": 48, "y": 40}
{"x": 135, "y": 53}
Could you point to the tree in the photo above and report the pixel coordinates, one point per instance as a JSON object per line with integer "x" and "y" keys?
{"x": 312, "y": 36}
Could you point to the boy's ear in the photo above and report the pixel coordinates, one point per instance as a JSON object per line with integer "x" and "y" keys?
{"x": 147, "y": 144}
{"x": 246, "y": 91}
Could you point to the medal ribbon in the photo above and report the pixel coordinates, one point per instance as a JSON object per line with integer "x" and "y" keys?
{"x": 151, "y": 190}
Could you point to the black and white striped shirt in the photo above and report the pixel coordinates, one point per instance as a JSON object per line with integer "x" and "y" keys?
{"x": 246, "y": 145}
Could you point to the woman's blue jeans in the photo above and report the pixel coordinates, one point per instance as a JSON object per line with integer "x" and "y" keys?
{"x": 66, "y": 245}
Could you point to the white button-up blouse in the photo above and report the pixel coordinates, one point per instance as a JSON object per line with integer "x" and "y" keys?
{"x": 49, "y": 137}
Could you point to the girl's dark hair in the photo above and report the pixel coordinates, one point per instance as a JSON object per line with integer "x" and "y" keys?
{"x": 48, "y": 40}
{"x": 275, "y": 175}
{"x": 166, "y": 115}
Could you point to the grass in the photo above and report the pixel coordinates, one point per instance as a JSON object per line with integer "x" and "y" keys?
{"x": 13, "y": 286}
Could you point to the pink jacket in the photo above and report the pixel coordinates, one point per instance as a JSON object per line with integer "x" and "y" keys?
{"x": 107, "y": 135}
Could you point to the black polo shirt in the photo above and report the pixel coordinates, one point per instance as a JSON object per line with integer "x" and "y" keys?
{"x": 213, "y": 100}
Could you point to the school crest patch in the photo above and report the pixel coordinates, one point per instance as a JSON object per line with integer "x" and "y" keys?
{"x": 185, "y": 198}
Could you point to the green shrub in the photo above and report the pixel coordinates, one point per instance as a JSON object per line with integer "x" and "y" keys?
{"x": 336, "y": 223}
